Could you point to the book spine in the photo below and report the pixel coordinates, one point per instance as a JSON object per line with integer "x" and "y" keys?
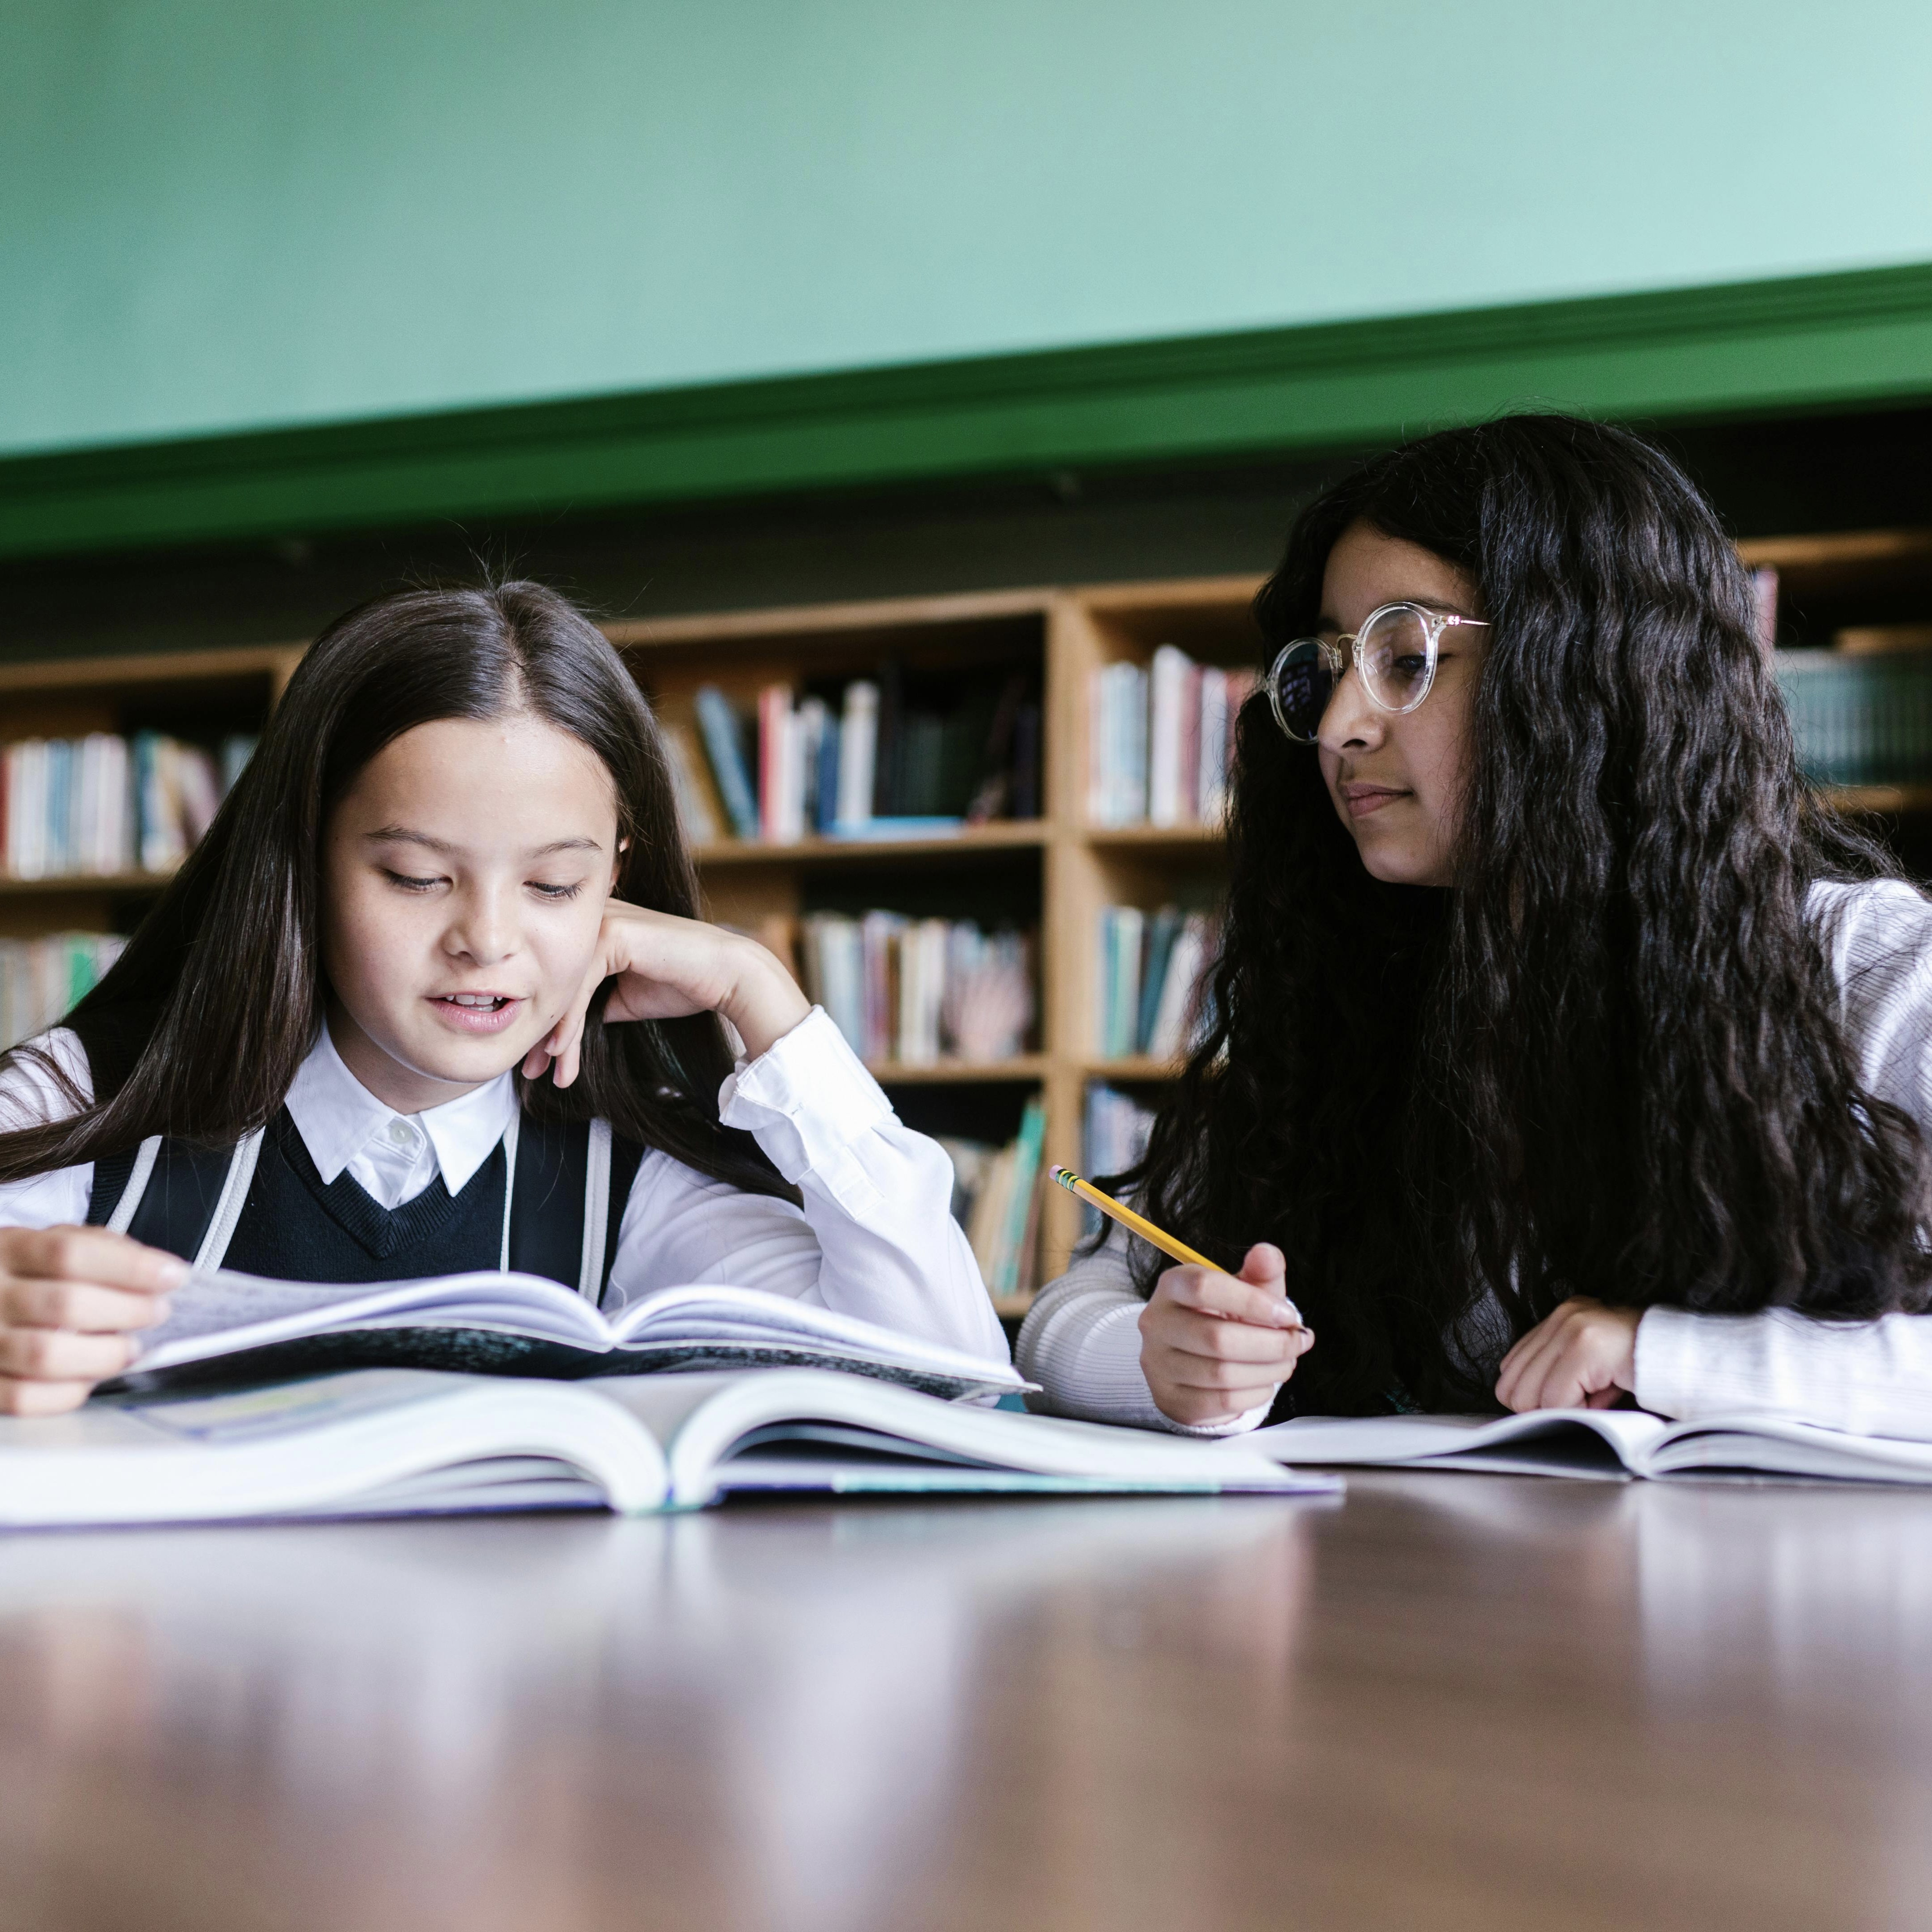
{"x": 1162, "y": 934}
{"x": 31, "y": 798}
{"x": 1211, "y": 749}
{"x": 723, "y": 745}
{"x": 858, "y": 752}
{"x": 814, "y": 729}
{"x": 1026, "y": 1174}
{"x": 1166, "y": 689}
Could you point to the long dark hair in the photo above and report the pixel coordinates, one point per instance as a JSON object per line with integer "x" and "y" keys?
{"x": 1608, "y": 1062}
{"x": 198, "y": 1029}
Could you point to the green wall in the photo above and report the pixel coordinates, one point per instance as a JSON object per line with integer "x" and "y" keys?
{"x": 220, "y": 216}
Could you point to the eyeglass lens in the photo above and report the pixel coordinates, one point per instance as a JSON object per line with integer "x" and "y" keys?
{"x": 1396, "y": 663}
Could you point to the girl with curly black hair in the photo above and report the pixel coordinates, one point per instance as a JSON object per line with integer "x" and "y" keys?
{"x": 1564, "y": 1046}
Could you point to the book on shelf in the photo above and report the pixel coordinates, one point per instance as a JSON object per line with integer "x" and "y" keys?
{"x": 1113, "y": 1138}
{"x": 1115, "y": 1132}
{"x": 42, "y": 979}
{"x": 1860, "y": 717}
{"x": 1764, "y": 607}
{"x": 700, "y": 810}
{"x": 996, "y": 1195}
{"x": 1612, "y": 1444}
{"x": 106, "y": 805}
{"x": 865, "y": 760}
{"x": 1160, "y": 740}
{"x": 1152, "y": 971}
{"x": 377, "y": 1442}
{"x": 724, "y": 747}
{"x": 919, "y": 992}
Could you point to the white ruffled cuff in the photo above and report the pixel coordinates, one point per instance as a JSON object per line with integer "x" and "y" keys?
{"x": 807, "y": 1099}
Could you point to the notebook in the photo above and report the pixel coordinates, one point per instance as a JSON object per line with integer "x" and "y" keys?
{"x": 1612, "y": 1444}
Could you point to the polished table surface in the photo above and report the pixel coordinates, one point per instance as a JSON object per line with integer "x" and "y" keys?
{"x": 1450, "y": 1701}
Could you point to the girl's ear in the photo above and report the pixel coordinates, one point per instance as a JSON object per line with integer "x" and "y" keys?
{"x": 617, "y": 863}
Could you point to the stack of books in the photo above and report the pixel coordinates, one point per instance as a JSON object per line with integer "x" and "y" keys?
{"x": 102, "y": 805}
{"x": 920, "y": 991}
{"x": 41, "y": 980}
{"x": 1161, "y": 740}
{"x": 1862, "y": 711}
{"x": 1152, "y": 972}
{"x": 861, "y": 761}
{"x": 996, "y": 1195}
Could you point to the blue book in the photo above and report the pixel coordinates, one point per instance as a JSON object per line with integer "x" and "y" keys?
{"x": 61, "y": 776}
{"x": 724, "y": 746}
{"x": 825, "y": 807}
{"x": 1161, "y": 936}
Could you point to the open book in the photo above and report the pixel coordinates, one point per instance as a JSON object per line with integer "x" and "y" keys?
{"x": 408, "y": 1442}
{"x": 1611, "y": 1443}
{"x": 226, "y": 1328}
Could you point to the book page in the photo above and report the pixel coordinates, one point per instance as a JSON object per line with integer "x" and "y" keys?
{"x": 703, "y": 1421}
{"x": 1783, "y": 1445}
{"x": 753, "y": 1318}
{"x": 219, "y": 1312}
{"x": 1543, "y": 1442}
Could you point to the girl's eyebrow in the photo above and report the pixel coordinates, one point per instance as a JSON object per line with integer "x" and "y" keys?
{"x": 402, "y": 835}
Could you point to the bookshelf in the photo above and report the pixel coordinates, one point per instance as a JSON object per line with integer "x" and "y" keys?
{"x": 1053, "y": 874}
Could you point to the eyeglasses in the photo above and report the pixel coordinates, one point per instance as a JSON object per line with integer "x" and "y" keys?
{"x": 1395, "y": 652}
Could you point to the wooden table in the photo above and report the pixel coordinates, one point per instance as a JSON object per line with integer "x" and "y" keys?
{"x": 1453, "y": 1701}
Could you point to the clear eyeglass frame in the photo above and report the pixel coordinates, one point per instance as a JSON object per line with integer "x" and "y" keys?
{"x": 1337, "y": 654}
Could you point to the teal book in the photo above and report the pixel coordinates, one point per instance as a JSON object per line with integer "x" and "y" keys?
{"x": 724, "y": 746}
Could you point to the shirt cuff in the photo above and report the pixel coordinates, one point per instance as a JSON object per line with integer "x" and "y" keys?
{"x": 1667, "y": 1361}
{"x": 808, "y": 1098}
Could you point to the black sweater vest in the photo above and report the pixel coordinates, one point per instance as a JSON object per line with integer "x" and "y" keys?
{"x": 294, "y": 1228}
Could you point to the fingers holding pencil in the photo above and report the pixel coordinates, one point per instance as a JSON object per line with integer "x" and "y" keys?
{"x": 1214, "y": 1346}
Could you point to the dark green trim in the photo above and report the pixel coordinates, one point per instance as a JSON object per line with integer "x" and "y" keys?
{"x": 1850, "y": 339}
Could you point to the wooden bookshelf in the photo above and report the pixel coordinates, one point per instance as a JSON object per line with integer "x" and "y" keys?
{"x": 1055, "y": 872}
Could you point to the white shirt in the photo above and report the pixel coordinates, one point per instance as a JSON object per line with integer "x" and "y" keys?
{"x": 1082, "y": 1341}
{"x": 875, "y": 1237}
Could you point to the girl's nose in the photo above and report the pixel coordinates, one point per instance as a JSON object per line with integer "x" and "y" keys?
{"x": 483, "y": 929}
{"x": 1351, "y": 720}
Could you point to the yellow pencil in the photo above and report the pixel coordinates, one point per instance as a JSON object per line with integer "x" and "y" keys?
{"x": 1134, "y": 1223}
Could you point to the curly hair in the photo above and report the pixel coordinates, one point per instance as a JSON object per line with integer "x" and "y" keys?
{"x": 1608, "y": 1060}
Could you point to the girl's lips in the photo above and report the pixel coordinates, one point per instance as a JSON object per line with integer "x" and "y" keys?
{"x": 1363, "y": 800}
{"x": 501, "y": 1012}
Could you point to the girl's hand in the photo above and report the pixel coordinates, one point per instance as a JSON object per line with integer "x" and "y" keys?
{"x": 1215, "y": 1345}
{"x": 1584, "y": 1356}
{"x": 665, "y": 968}
{"x": 72, "y": 1300}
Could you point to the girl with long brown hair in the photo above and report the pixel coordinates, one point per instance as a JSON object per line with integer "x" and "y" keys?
{"x": 433, "y": 995}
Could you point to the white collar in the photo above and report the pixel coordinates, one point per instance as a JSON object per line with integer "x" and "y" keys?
{"x": 337, "y": 1117}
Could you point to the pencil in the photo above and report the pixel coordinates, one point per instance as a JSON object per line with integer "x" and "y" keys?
{"x": 1134, "y": 1224}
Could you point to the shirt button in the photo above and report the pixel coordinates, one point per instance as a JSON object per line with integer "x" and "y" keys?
{"x": 402, "y": 1133}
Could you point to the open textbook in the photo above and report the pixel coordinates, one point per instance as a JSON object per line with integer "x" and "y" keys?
{"x": 1611, "y": 1443}
{"x": 226, "y": 1328}
{"x": 412, "y": 1441}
